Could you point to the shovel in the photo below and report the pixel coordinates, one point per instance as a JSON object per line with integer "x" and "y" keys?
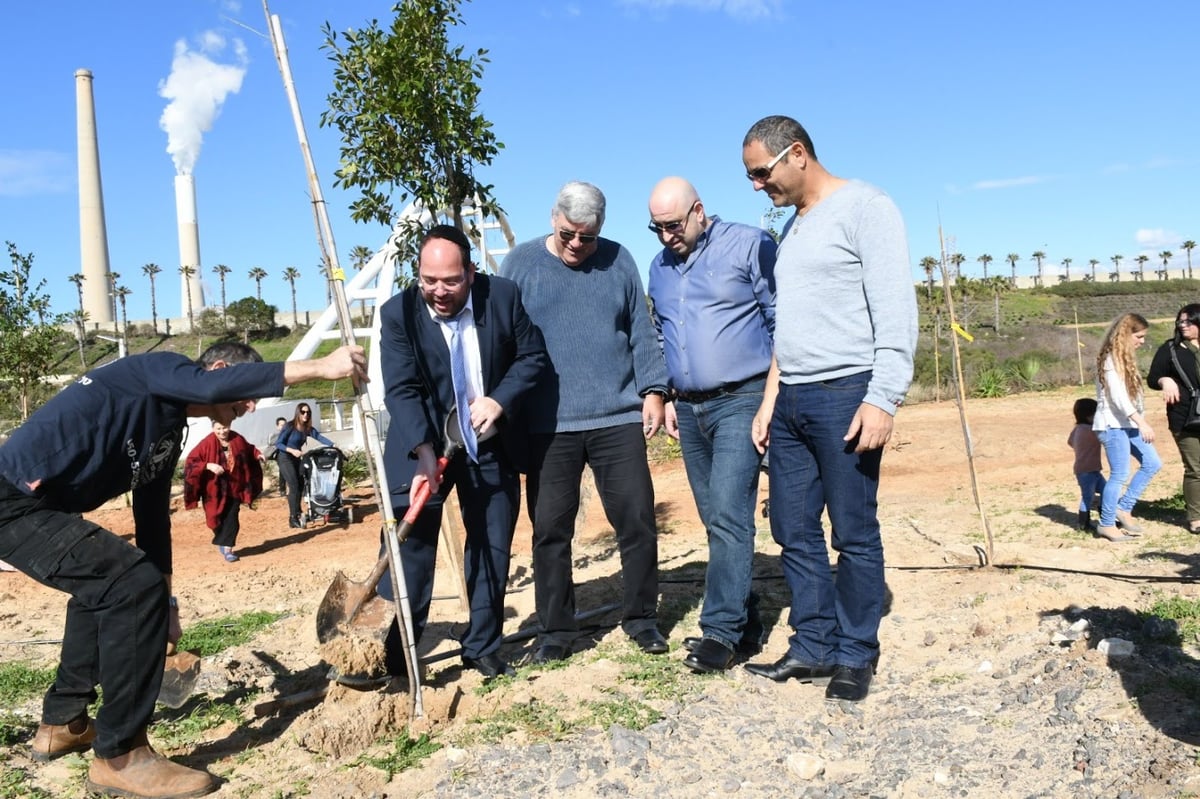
{"x": 345, "y": 598}
{"x": 180, "y": 673}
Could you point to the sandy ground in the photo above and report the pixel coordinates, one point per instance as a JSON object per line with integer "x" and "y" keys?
{"x": 934, "y": 535}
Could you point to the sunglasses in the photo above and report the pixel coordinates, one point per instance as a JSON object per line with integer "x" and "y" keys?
{"x": 761, "y": 173}
{"x": 567, "y": 236}
{"x": 670, "y": 227}
{"x": 305, "y": 412}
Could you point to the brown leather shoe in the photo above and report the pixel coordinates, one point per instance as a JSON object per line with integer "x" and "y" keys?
{"x": 142, "y": 773}
{"x": 52, "y": 741}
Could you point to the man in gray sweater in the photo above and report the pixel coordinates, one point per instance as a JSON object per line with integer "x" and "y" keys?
{"x": 602, "y": 398}
{"x": 844, "y": 344}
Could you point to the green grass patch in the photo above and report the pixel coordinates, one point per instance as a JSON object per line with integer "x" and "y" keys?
{"x": 13, "y": 728}
{"x": 622, "y": 711}
{"x": 21, "y": 681}
{"x": 214, "y": 635}
{"x": 15, "y": 784}
{"x": 1184, "y": 612}
{"x": 537, "y": 720}
{"x": 406, "y": 753}
{"x": 188, "y": 730}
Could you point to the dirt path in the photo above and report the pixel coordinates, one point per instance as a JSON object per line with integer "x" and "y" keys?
{"x": 945, "y": 617}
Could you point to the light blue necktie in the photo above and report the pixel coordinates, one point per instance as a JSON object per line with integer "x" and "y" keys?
{"x": 458, "y": 373}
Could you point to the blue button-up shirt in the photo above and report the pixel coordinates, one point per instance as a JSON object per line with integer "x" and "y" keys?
{"x": 715, "y": 312}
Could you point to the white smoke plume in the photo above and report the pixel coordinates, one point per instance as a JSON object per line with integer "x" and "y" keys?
{"x": 196, "y": 88}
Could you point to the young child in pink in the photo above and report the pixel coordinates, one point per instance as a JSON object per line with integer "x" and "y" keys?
{"x": 1087, "y": 459}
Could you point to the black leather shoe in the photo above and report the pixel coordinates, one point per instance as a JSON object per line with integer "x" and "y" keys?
{"x": 294, "y": 522}
{"x": 651, "y": 642}
{"x": 745, "y": 646}
{"x": 708, "y": 656}
{"x": 787, "y": 668}
{"x": 548, "y": 653}
{"x": 849, "y": 683}
{"x": 489, "y": 666}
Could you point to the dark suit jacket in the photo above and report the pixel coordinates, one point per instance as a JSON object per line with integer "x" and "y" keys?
{"x": 419, "y": 391}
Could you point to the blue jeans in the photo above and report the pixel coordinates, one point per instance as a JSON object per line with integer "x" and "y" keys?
{"x": 1119, "y": 443}
{"x": 1089, "y": 484}
{"x": 835, "y": 619}
{"x": 722, "y": 468}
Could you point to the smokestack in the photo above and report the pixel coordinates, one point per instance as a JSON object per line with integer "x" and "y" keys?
{"x": 189, "y": 244}
{"x": 93, "y": 236}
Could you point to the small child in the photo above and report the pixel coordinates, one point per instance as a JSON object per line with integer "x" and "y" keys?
{"x": 1087, "y": 459}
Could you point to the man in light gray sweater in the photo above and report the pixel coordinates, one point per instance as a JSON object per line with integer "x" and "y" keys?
{"x": 842, "y": 365}
{"x": 603, "y": 397}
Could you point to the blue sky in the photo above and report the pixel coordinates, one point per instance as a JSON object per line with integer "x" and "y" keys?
{"x": 1066, "y": 127}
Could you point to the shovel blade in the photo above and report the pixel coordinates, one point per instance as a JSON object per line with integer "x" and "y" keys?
{"x": 342, "y": 599}
{"x": 179, "y": 678}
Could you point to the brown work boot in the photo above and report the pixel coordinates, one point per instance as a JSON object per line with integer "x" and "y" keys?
{"x": 142, "y": 773}
{"x": 52, "y": 741}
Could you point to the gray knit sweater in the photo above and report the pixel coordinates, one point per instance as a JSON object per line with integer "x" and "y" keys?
{"x": 845, "y": 301}
{"x": 604, "y": 353}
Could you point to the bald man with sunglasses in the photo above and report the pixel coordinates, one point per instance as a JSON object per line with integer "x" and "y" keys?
{"x": 602, "y": 399}
{"x": 713, "y": 293}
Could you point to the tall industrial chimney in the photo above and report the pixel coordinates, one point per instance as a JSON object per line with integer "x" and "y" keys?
{"x": 189, "y": 244}
{"x": 93, "y": 236}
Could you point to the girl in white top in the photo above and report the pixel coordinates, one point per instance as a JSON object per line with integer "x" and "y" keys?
{"x": 1122, "y": 428}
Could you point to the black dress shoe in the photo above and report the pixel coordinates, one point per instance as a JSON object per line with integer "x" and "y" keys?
{"x": 489, "y": 666}
{"x": 548, "y": 653}
{"x": 787, "y": 668}
{"x": 708, "y": 656}
{"x": 744, "y": 647}
{"x": 849, "y": 683}
{"x": 651, "y": 642}
{"x": 294, "y": 522}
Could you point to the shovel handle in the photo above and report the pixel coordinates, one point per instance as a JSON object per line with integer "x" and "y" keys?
{"x": 418, "y": 503}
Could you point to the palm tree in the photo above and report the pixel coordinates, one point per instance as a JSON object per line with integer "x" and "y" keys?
{"x": 985, "y": 259}
{"x": 928, "y": 263}
{"x": 80, "y": 315}
{"x": 359, "y": 256}
{"x": 1166, "y": 256}
{"x": 1093, "y": 263}
{"x": 121, "y": 292}
{"x": 257, "y": 274}
{"x": 1066, "y": 275}
{"x": 290, "y": 274}
{"x": 1141, "y": 262}
{"x": 221, "y": 270}
{"x": 150, "y": 270}
{"x": 1189, "y": 245}
{"x": 187, "y": 272}
{"x": 112, "y": 303}
{"x": 1038, "y": 256}
{"x": 1116, "y": 259}
{"x": 1012, "y": 259}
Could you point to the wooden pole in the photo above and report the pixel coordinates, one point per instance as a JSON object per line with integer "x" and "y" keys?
{"x": 962, "y": 403}
{"x": 367, "y": 419}
{"x": 1078, "y": 344}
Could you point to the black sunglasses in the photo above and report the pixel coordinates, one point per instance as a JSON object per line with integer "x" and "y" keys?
{"x": 670, "y": 227}
{"x": 567, "y": 236}
{"x": 305, "y": 412}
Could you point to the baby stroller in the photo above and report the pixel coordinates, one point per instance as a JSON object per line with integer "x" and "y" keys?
{"x": 322, "y": 470}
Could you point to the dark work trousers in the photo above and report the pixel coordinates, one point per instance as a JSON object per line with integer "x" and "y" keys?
{"x": 116, "y": 628}
{"x": 617, "y": 456}
{"x": 291, "y": 474}
{"x": 227, "y": 528}
{"x": 489, "y": 494}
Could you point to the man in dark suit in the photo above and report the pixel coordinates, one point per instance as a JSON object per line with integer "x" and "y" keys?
{"x": 504, "y": 357}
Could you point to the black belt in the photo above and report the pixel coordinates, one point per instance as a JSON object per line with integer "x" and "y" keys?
{"x": 694, "y": 397}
